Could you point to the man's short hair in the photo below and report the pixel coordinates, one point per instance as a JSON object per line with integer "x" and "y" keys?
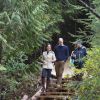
{"x": 61, "y": 39}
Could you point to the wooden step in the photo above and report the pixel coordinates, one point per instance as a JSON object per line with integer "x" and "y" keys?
{"x": 59, "y": 89}
{"x": 52, "y": 97}
{"x": 63, "y": 80}
{"x": 58, "y": 93}
{"x": 54, "y": 85}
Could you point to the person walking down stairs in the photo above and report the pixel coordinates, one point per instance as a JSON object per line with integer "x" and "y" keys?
{"x": 62, "y": 54}
{"x": 48, "y": 64}
{"x": 78, "y": 54}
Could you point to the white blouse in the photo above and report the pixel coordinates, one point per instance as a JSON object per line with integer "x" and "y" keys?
{"x": 48, "y": 59}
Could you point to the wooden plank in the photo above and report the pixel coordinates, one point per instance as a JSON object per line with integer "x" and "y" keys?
{"x": 55, "y": 85}
{"x": 52, "y": 97}
{"x": 58, "y": 93}
{"x": 56, "y": 88}
{"x": 38, "y": 93}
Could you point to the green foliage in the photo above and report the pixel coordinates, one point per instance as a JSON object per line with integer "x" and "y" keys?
{"x": 71, "y": 8}
{"x": 14, "y": 87}
{"x": 2, "y": 68}
{"x": 26, "y": 23}
{"x": 16, "y": 63}
{"x": 90, "y": 88}
{"x": 95, "y": 25}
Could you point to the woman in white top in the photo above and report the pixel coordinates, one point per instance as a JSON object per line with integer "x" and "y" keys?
{"x": 48, "y": 60}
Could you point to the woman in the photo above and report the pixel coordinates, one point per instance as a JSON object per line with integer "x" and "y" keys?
{"x": 48, "y": 60}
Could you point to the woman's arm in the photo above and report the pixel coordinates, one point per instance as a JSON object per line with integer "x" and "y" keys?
{"x": 53, "y": 57}
{"x": 43, "y": 60}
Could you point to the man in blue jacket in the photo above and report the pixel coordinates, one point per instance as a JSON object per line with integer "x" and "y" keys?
{"x": 78, "y": 54}
{"x": 62, "y": 54}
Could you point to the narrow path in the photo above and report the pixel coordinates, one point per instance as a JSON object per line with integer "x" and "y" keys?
{"x": 55, "y": 93}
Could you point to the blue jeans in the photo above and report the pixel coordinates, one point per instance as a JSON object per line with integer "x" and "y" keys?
{"x": 46, "y": 73}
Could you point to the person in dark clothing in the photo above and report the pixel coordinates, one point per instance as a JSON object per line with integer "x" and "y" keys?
{"x": 62, "y": 54}
{"x": 78, "y": 54}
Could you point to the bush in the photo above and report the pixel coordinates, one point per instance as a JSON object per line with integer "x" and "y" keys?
{"x": 90, "y": 87}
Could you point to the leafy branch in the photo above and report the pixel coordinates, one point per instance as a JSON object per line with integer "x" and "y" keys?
{"x": 89, "y": 8}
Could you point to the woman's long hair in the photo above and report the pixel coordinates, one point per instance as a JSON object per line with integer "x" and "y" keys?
{"x": 46, "y": 45}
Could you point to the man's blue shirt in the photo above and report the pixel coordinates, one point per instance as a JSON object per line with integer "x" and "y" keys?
{"x": 61, "y": 52}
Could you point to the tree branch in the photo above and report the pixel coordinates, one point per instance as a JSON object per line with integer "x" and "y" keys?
{"x": 89, "y": 8}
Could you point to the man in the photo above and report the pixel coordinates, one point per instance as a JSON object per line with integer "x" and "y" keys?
{"x": 78, "y": 54}
{"x": 62, "y": 54}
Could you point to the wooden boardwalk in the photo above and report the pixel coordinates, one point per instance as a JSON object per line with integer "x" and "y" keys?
{"x": 55, "y": 93}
